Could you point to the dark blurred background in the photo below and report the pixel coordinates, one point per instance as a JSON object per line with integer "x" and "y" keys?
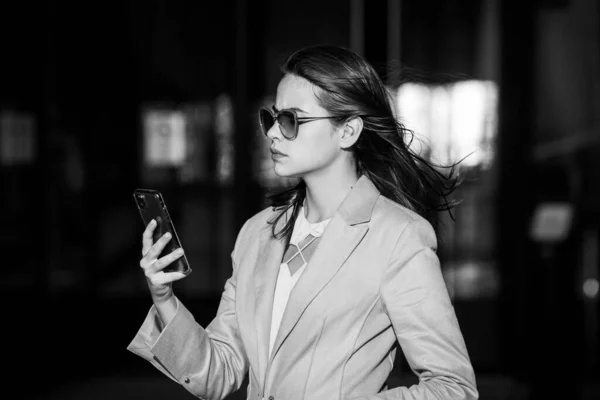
{"x": 97, "y": 99}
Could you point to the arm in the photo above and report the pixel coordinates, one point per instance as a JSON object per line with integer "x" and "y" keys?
{"x": 167, "y": 309}
{"x": 210, "y": 363}
{"x": 416, "y": 300}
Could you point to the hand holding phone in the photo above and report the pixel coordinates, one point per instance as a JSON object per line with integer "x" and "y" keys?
{"x": 163, "y": 259}
{"x": 152, "y": 206}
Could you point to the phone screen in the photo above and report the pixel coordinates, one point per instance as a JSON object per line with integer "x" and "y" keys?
{"x": 151, "y": 205}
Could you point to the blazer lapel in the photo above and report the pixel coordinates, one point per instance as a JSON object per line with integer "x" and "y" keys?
{"x": 342, "y": 235}
{"x": 265, "y": 278}
{"x": 337, "y": 243}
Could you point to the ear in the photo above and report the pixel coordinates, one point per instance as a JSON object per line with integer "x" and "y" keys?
{"x": 351, "y": 131}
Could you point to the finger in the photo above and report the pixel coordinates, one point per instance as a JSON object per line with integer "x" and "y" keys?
{"x": 147, "y": 237}
{"x": 146, "y": 263}
{"x": 163, "y": 278}
{"x": 168, "y": 259}
{"x": 158, "y": 247}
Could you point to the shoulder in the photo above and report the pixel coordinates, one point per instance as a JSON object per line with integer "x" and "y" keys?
{"x": 260, "y": 219}
{"x": 394, "y": 212}
{"x": 251, "y": 229}
{"x": 402, "y": 223}
{"x": 256, "y": 223}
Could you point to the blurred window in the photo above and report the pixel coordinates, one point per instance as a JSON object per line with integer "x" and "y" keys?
{"x": 224, "y": 129}
{"x": 190, "y": 142}
{"x": 451, "y": 121}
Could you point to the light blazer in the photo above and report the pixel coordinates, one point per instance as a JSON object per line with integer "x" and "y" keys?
{"x": 373, "y": 281}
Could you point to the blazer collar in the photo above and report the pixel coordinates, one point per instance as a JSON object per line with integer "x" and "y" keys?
{"x": 358, "y": 205}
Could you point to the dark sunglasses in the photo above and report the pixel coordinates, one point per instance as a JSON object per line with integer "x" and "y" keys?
{"x": 288, "y": 121}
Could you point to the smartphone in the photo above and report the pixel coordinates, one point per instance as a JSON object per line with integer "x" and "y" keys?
{"x": 151, "y": 205}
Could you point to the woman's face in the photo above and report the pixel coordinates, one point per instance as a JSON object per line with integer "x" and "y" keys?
{"x": 317, "y": 146}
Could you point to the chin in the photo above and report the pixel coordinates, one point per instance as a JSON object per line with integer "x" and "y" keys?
{"x": 284, "y": 171}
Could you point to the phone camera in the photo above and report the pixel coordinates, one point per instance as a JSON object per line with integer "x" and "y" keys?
{"x": 141, "y": 201}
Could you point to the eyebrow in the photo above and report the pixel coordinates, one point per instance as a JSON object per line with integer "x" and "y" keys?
{"x": 291, "y": 108}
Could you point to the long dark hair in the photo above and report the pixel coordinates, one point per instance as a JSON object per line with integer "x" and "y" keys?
{"x": 350, "y": 87}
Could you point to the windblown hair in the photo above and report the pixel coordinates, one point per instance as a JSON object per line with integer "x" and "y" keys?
{"x": 348, "y": 87}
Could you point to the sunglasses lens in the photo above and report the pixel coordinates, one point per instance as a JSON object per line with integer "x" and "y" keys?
{"x": 266, "y": 120}
{"x": 287, "y": 122}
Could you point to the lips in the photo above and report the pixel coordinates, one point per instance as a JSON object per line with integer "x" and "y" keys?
{"x": 274, "y": 152}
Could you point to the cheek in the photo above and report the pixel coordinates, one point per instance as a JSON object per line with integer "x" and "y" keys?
{"x": 316, "y": 143}
{"x": 314, "y": 151}
{"x": 306, "y": 156}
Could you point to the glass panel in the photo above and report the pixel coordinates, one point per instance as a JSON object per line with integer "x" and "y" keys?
{"x": 224, "y": 128}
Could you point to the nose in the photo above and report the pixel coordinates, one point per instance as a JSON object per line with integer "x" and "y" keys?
{"x": 275, "y": 132}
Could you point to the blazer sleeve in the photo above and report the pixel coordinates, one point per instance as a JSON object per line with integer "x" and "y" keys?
{"x": 210, "y": 363}
{"x": 416, "y": 300}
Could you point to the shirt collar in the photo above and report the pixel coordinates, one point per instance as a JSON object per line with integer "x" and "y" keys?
{"x": 303, "y": 228}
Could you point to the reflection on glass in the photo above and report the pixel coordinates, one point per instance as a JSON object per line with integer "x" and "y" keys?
{"x": 224, "y": 127}
{"x": 17, "y": 138}
{"x": 591, "y": 288}
{"x": 471, "y": 280}
{"x": 451, "y": 121}
{"x": 175, "y": 142}
{"x": 164, "y": 138}
{"x": 199, "y": 118}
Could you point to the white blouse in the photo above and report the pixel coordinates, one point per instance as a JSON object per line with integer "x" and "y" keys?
{"x": 286, "y": 281}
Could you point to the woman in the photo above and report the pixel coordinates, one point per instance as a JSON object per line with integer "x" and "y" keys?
{"x": 339, "y": 271}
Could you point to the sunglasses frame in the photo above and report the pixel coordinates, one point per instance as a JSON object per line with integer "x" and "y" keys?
{"x": 296, "y": 119}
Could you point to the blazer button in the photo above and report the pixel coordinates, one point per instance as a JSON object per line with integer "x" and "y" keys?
{"x": 187, "y": 380}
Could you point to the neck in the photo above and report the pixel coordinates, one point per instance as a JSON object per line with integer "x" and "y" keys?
{"x": 325, "y": 191}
